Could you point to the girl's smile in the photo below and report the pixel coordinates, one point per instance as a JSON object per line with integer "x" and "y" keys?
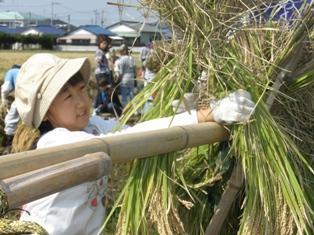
{"x": 70, "y": 108}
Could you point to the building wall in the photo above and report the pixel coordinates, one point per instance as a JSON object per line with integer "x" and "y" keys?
{"x": 12, "y": 23}
{"x": 88, "y": 48}
{"x": 75, "y": 48}
{"x": 82, "y": 35}
{"x": 147, "y": 37}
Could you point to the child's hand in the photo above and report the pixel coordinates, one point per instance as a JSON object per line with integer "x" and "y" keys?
{"x": 236, "y": 107}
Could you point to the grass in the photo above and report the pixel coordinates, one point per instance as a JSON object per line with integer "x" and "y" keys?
{"x": 19, "y": 57}
{"x": 10, "y": 57}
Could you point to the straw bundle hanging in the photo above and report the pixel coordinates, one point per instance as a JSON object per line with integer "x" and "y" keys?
{"x": 238, "y": 48}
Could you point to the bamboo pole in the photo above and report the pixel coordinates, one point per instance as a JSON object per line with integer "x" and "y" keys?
{"x": 36, "y": 184}
{"x": 121, "y": 148}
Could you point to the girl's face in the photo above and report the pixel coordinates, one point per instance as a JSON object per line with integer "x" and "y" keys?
{"x": 70, "y": 108}
{"x": 103, "y": 45}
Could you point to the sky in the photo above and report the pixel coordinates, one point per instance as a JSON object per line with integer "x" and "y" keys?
{"x": 78, "y": 12}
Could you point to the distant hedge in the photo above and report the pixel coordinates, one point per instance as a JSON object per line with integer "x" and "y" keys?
{"x": 45, "y": 41}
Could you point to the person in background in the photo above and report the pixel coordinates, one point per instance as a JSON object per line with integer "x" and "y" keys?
{"x": 112, "y": 58}
{"x": 12, "y": 117}
{"x": 125, "y": 71}
{"x": 102, "y": 70}
{"x": 51, "y": 96}
{"x": 143, "y": 55}
{"x": 107, "y": 100}
{"x": 152, "y": 65}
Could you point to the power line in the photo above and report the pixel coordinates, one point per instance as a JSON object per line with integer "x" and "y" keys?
{"x": 72, "y": 10}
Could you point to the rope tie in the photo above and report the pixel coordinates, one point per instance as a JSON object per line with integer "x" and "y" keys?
{"x": 4, "y": 204}
{"x": 18, "y": 227}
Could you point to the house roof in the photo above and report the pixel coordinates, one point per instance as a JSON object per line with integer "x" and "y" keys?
{"x": 96, "y": 29}
{"x": 15, "y": 15}
{"x": 47, "y": 29}
{"x": 138, "y": 26}
{"x": 8, "y": 30}
{"x": 10, "y": 15}
{"x": 5, "y": 29}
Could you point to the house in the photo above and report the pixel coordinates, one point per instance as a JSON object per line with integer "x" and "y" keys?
{"x": 43, "y": 30}
{"x": 83, "y": 38}
{"x": 132, "y": 31}
{"x": 14, "y": 19}
{"x": 7, "y": 30}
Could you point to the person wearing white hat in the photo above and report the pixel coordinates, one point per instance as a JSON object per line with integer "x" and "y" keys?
{"x": 51, "y": 95}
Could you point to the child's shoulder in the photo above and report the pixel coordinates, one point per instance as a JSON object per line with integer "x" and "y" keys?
{"x": 60, "y": 136}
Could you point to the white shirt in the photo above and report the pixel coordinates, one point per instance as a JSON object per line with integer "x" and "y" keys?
{"x": 79, "y": 210}
{"x": 125, "y": 67}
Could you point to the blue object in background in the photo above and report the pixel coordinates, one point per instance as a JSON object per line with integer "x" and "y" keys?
{"x": 282, "y": 11}
{"x": 285, "y": 11}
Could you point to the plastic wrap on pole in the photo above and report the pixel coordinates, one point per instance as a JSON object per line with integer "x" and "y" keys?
{"x": 120, "y": 148}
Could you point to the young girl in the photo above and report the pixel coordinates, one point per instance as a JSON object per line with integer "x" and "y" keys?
{"x": 102, "y": 70}
{"x": 51, "y": 95}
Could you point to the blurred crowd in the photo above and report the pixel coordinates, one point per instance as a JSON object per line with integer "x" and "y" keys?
{"x": 116, "y": 75}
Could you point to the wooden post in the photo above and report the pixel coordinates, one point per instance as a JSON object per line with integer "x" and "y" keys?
{"x": 36, "y": 184}
{"x": 120, "y": 148}
{"x": 227, "y": 199}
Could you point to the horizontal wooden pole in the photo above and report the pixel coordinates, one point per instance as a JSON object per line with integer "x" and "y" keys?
{"x": 123, "y": 4}
{"x": 120, "y": 148}
{"x": 36, "y": 184}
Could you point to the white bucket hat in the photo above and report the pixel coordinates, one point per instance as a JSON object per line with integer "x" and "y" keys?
{"x": 40, "y": 79}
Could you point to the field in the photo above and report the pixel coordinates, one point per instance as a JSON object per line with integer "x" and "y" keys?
{"x": 18, "y": 57}
{"x": 10, "y": 57}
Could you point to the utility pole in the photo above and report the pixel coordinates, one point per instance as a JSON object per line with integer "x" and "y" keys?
{"x": 29, "y": 18}
{"x": 69, "y": 20}
{"x": 102, "y": 18}
{"x": 96, "y": 16}
{"x": 52, "y": 11}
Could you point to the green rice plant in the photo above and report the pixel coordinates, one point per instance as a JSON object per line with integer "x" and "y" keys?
{"x": 278, "y": 174}
{"x": 148, "y": 188}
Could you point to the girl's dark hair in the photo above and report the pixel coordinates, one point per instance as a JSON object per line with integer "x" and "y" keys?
{"x": 16, "y": 66}
{"x": 45, "y": 127}
{"x": 75, "y": 79}
{"x": 103, "y": 38}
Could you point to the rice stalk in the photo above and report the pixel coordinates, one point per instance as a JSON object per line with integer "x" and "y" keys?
{"x": 278, "y": 175}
